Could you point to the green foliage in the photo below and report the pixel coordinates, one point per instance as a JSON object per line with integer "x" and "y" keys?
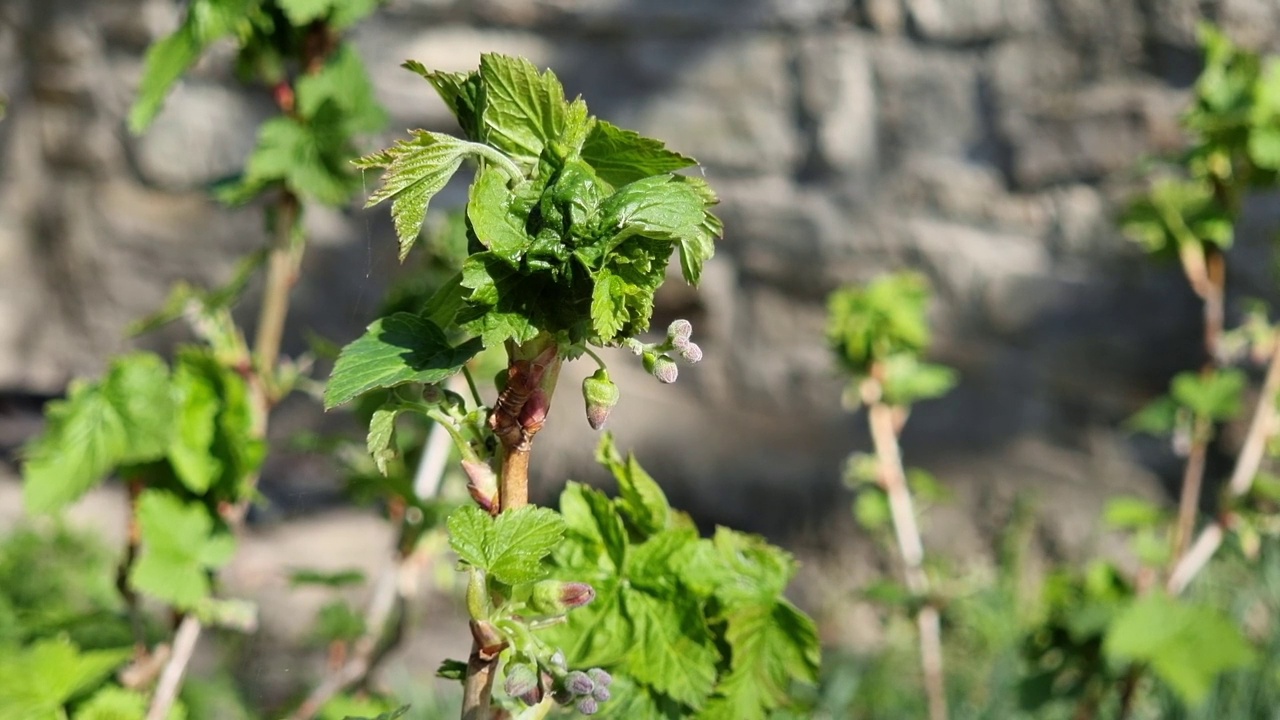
{"x": 395, "y": 350}
{"x": 194, "y": 424}
{"x": 907, "y": 380}
{"x": 36, "y": 682}
{"x": 1178, "y": 214}
{"x": 699, "y": 626}
{"x": 1187, "y": 645}
{"x": 509, "y": 547}
{"x": 179, "y": 547}
{"x": 557, "y": 246}
{"x": 116, "y": 703}
{"x": 871, "y": 323}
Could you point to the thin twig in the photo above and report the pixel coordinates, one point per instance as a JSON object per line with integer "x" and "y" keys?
{"x": 358, "y": 664}
{"x": 1261, "y": 428}
{"x": 184, "y": 644}
{"x": 1192, "y": 479}
{"x": 884, "y": 435}
{"x": 282, "y": 271}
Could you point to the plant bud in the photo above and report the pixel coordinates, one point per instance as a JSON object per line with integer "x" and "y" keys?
{"x": 587, "y": 706}
{"x": 432, "y": 394}
{"x": 679, "y": 330}
{"x": 691, "y": 353}
{"x": 482, "y": 483}
{"x": 661, "y": 367}
{"x": 556, "y": 597}
{"x": 600, "y": 677}
{"x": 601, "y": 395}
{"x": 521, "y": 681}
{"x": 557, "y": 659}
{"x": 534, "y": 412}
{"x": 578, "y": 683}
{"x": 601, "y": 694}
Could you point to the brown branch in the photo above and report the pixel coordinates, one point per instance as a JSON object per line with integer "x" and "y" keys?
{"x": 184, "y": 644}
{"x": 282, "y": 273}
{"x": 884, "y": 436}
{"x": 1192, "y": 479}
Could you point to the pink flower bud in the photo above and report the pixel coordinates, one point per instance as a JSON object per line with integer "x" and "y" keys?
{"x": 521, "y": 681}
{"x": 601, "y": 395}
{"x": 679, "y": 330}
{"x": 691, "y": 352}
{"x": 587, "y": 706}
{"x": 600, "y": 677}
{"x": 482, "y": 483}
{"x": 578, "y": 683}
{"x": 662, "y": 367}
{"x": 556, "y": 597}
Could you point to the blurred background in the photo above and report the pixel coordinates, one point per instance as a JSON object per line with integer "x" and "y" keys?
{"x": 986, "y": 143}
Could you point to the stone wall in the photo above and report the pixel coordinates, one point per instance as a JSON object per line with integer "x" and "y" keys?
{"x": 985, "y": 142}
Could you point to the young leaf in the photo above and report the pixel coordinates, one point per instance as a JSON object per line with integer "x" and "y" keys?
{"x": 623, "y": 156}
{"x": 308, "y": 155}
{"x": 497, "y": 225}
{"x": 1216, "y": 396}
{"x": 908, "y": 380}
{"x": 673, "y": 652}
{"x": 1160, "y": 417}
{"x": 393, "y": 715}
{"x": 877, "y": 321}
{"x": 509, "y": 547}
{"x": 460, "y": 91}
{"x": 590, "y": 515}
{"x": 640, "y": 499}
{"x": 382, "y": 426}
{"x": 116, "y": 703}
{"x": 523, "y": 110}
{"x": 190, "y": 450}
{"x": 179, "y": 547}
{"x": 124, "y": 418}
{"x": 1187, "y": 646}
{"x": 395, "y": 350}
{"x": 339, "y": 13}
{"x": 344, "y": 82}
{"x": 1131, "y": 513}
{"x": 772, "y": 646}
{"x": 38, "y": 680}
{"x": 738, "y": 568}
{"x": 168, "y": 59}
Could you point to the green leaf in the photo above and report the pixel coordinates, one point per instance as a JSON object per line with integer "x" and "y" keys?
{"x": 395, "y": 350}
{"x": 308, "y": 155}
{"x": 523, "y": 110}
{"x": 622, "y": 156}
{"x": 461, "y": 92}
{"x": 590, "y": 514}
{"x": 339, "y": 13}
{"x": 497, "y": 225}
{"x": 1187, "y": 646}
{"x": 908, "y": 380}
{"x": 179, "y": 548}
{"x": 167, "y": 59}
{"x": 1157, "y": 418}
{"x": 609, "y": 305}
{"x": 883, "y": 319}
{"x": 124, "y": 418}
{"x": 640, "y": 498}
{"x": 509, "y": 547}
{"x": 117, "y": 703}
{"x": 337, "y": 621}
{"x": 1131, "y": 513}
{"x": 38, "y": 680}
{"x": 1264, "y": 147}
{"x": 329, "y": 579}
{"x": 393, "y": 715}
{"x": 1216, "y": 396}
{"x": 382, "y": 427}
{"x": 772, "y": 647}
{"x": 414, "y": 171}
{"x": 191, "y": 451}
{"x": 672, "y": 649}
{"x": 871, "y": 508}
{"x": 738, "y": 568}
{"x": 344, "y": 82}
{"x": 505, "y": 304}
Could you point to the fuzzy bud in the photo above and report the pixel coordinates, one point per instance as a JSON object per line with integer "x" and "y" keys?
{"x": 556, "y": 597}
{"x": 601, "y": 694}
{"x": 578, "y": 683}
{"x": 691, "y": 353}
{"x": 679, "y": 331}
{"x": 600, "y": 677}
{"x": 482, "y": 483}
{"x": 661, "y": 367}
{"x": 521, "y": 681}
{"x": 601, "y": 395}
{"x": 588, "y": 706}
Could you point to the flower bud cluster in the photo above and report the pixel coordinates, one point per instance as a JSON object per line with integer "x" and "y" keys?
{"x": 657, "y": 358}
{"x": 531, "y": 681}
